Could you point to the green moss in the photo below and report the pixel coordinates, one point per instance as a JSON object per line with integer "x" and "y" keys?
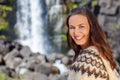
{"x": 74, "y": 6}
{"x": 4, "y": 76}
{"x": 62, "y": 36}
{"x": 3, "y": 37}
{"x": 94, "y": 3}
{"x": 7, "y": 8}
{"x": 117, "y": 26}
{"x": 3, "y": 24}
{"x": 83, "y": 3}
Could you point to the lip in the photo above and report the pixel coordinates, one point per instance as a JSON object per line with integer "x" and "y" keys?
{"x": 78, "y": 37}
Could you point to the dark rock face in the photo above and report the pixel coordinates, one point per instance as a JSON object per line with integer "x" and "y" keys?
{"x": 4, "y": 1}
{"x": 109, "y": 18}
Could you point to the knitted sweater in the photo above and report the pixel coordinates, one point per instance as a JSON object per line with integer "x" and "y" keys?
{"x": 89, "y": 65}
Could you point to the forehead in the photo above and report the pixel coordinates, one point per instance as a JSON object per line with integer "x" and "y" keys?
{"x": 77, "y": 19}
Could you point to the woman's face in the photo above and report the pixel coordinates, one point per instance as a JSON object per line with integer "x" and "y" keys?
{"x": 79, "y": 30}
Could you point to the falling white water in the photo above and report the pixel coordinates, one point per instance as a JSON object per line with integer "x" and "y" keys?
{"x": 31, "y": 24}
{"x": 60, "y": 66}
{"x": 32, "y": 27}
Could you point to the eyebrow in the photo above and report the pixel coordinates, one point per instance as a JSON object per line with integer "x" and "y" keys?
{"x": 78, "y": 24}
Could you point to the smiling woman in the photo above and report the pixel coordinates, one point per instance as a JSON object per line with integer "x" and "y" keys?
{"x": 79, "y": 30}
{"x": 93, "y": 58}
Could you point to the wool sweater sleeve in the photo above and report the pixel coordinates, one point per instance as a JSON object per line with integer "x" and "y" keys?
{"x": 89, "y": 66}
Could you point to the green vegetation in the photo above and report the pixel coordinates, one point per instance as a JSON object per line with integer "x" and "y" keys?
{"x": 84, "y": 2}
{"x": 63, "y": 36}
{"x": 117, "y": 26}
{"x": 4, "y": 76}
{"x": 4, "y": 23}
{"x": 94, "y": 3}
{"x": 7, "y": 8}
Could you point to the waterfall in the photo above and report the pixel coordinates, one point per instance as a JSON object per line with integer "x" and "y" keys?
{"x": 32, "y": 25}
{"x": 38, "y": 27}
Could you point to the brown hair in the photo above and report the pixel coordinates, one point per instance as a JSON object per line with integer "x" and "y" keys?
{"x": 97, "y": 35}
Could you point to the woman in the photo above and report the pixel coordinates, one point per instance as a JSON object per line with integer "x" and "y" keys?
{"x": 93, "y": 58}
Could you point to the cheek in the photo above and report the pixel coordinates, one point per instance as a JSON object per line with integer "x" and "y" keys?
{"x": 71, "y": 33}
{"x": 87, "y": 33}
{"x": 87, "y": 36}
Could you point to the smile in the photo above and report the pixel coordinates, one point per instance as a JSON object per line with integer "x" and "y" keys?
{"x": 78, "y": 37}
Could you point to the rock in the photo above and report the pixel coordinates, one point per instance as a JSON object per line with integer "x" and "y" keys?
{"x": 1, "y": 58}
{"x": 112, "y": 19}
{"x": 3, "y": 49}
{"x": 118, "y": 21}
{"x": 55, "y": 56}
{"x": 4, "y": 1}
{"x": 42, "y": 58}
{"x": 42, "y": 68}
{"x": 58, "y": 77}
{"x": 70, "y": 53}
{"x": 9, "y": 72}
{"x": 105, "y": 3}
{"x": 35, "y": 64}
{"x": 54, "y": 70}
{"x": 108, "y": 7}
{"x": 53, "y": 77}
{"x": 10, "y": 59}
{"x": 110, "y": 29}
{"x": 76, "y": 1}
{"x": 45, "y": 68}
{"x": 65, "y": 60}
{"x": 11, "y": 54}
{"x": 101, "y": 19}
{"x": 28, "y": 62}
{"x": 25, "y": 51}
{"x": 34, "y": 76}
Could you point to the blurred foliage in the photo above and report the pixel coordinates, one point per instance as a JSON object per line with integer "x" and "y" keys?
{"x": 94, "y": 3}
{"x": 74, "y": 6}
{"x": 4, "y": 24}
{"x": 4, "y": 76}
{"x": 3, "y": 37}
{"x": 84, "y": 2}
{"x": 63, "y": 36}
{"x": 5, "y": 7}
{"x": 117, "y": 26}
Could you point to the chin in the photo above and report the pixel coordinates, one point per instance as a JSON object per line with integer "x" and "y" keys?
{"x": 79, "y": 43}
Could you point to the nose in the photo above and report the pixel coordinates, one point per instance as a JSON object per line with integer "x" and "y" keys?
{"x": 76, "y": 31}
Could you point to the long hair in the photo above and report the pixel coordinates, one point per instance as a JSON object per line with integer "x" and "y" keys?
{"x": 97, "y": 35}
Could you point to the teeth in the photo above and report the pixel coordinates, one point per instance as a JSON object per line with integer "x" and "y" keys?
{"x": 79, "y": 37}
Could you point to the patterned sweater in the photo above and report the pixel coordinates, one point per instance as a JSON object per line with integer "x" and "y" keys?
{"x": 89, "y": 65}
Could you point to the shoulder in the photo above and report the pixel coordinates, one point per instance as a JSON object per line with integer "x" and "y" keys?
{"x": 90, "y": 55}
{"x": 92, "y": 50}
{"x": 90, "y": 62}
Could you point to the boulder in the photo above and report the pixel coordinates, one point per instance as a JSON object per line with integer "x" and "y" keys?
{"x": 11, "y": 60}
{"x": 25, "y": 51}
{"x": 70, "y": 53}
{"x": 34, "y": 76}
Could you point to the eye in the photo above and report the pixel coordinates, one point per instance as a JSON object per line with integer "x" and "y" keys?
{"x": 81, "y": 26}
{"x": 71, "y": 27}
